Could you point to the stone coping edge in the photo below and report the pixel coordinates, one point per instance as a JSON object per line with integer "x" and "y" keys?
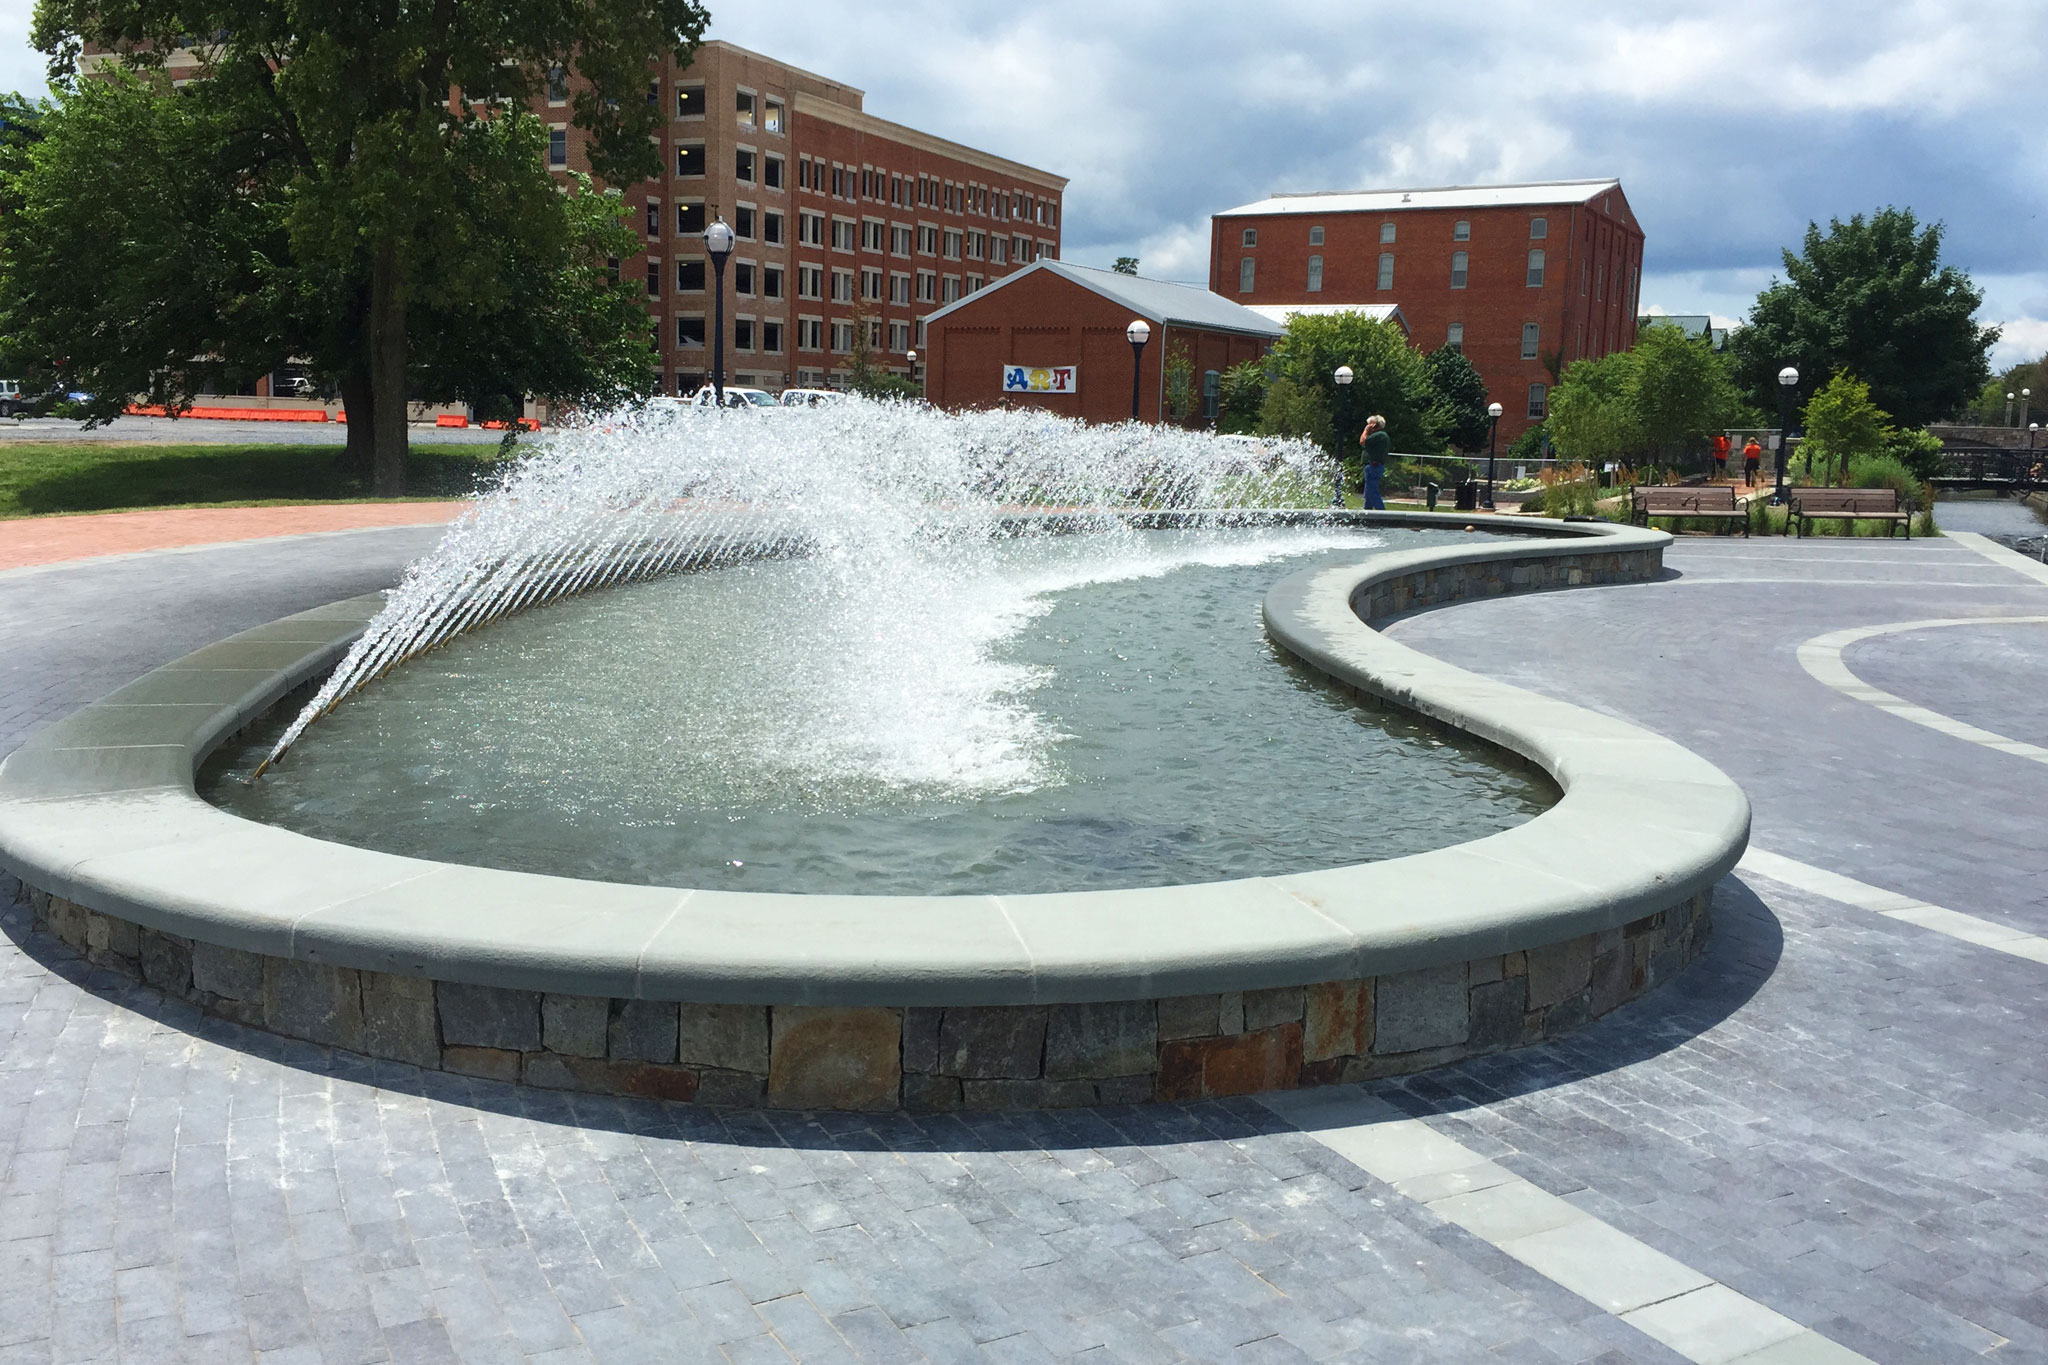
{"x": 100, "y": 810}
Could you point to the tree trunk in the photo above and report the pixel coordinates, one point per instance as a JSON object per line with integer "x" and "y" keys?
{"x": 386, "y": 332}
{"x": 359, "y": 457}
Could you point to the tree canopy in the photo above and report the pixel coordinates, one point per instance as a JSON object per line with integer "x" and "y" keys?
{"x": 1659, "y": 400}
{"x": 1457, "y": 409}
{"x": 378, "y": 200}
{"x": 1841, "y": 421}
{"x": 1870, "y": 296}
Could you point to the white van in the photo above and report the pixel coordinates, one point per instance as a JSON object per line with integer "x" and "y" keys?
{"x": 10, "y": 397}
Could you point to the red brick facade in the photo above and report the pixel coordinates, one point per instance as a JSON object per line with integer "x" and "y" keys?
{"x": 843, "y": 219}
{"x": 1584, "y": 306}
{"x": 1047, "y": 319}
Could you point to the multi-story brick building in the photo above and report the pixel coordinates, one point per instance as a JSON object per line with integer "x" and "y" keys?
{"x": 1524, "y": 279}
{"x": 843, "y": 220}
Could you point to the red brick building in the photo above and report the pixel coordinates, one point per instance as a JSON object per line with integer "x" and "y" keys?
{"x": 1054, "y": 317}
{"x": 843, "y": 220}
{"x": 1523, "y": 278}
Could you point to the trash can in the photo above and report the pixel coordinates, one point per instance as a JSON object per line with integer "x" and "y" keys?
{"x": 1467, "y": 496}
{"x": 1430, "y": 493}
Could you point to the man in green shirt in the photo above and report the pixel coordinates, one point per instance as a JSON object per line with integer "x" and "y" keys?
{"x": 1377, "y": 446}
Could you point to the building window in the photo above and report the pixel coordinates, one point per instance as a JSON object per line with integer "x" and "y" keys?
{"x": 810, "y": 229}
{"x": 1386, "y": 270}
{"x": 558, "y": 148}
{"x": 899, "y": 240}
{"x": 952, "y": 244}
{"x": 1315, "y": 236}
{"x": 771, "y": 121}
{"x": 690, "y": 219}
{"x": 690, "y": 330}
{"x": 771, "y": 172}
{"x": 899, "y": 290}
{"x": 843, "y": 234}
{"x": 1454, "y": 336}
{"x": 1251, "y": 236}
{"x": 558, "y": 85}
{"x": 810, "y": 281}
{"x": 1536, "y": 268}
{"x": 1539, "y": 228}
{"x": 1531, "y": 333}
{"x": 1459, "y": 268}
{"x": 690, "y": 277}
{"x": 743, "y": 165}
{"x": 999, "y": 250}
{"x": 771, "y": 282}
{"x": 1315, "y": 274}
{"x": 899, "y": 337}
{"x": 654, "y": 279}
{"x": 743, "y": 222}
{"x": 771, "y": 228}
{"x": 654, "y": 94}
{"x": 927, "y": 287}
{"x": 842, "y": 338}
{"x": 1600, "y": 281}
{"x": 871, "y": 285}
{"x": 771, "y": 338}
{"x": 1461, "y": 231}
{"x": 810, "y": 334}
{"x": 690, "y": 159}
{"x": 743, "y": 334}
{"x": 743, "y": 105}
{"x": 611, "y": 269}
{"x": 872, "y": 234}
{"x": 1245, "y": 269}
{"x": 842, "y": 286}
{"x": 654, "y": 218}
{"x": 743, "y": 277}
{"x": 1386, "y": 234}
{"x": 1536, "y": 397}
{"x": 927, "y": 240}
{"x": 950, "y": 290}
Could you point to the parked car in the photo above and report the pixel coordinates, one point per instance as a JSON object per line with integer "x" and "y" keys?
{"x": 811, "y": 398}
{"x": 11, "y": 401}
{"x": 735, "y": 397}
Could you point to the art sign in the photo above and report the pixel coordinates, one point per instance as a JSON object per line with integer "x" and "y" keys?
{"x": 1040, "y": 378}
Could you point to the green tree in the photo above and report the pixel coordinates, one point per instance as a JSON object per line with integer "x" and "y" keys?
{"x": 1390, "y": 378}
{"x": 1842, "y": 423}
{"x": 1593, "y": 410}
{"x": 1457, "y": 400}
{"x": 1241, "y": 392}
{"x": 1126, "y": 265}
{"x": 1682, "y": 391}
{"x": 371, "y": 121}
{"x": 1870, "y": 296}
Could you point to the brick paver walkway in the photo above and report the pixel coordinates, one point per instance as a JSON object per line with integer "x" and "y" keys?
{"x": 51, "y": 540}
{"x": 1842, "y": 1116}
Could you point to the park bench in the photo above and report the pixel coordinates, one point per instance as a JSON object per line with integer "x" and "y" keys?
{"x": 1715, "y": 502}
{"x": 1809, "y": 505}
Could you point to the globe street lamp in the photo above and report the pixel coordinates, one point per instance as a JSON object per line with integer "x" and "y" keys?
{"x": 911, "y": 356}
{"x": 1788, "y": 379}
{"x": 2032, "y": 427}
{"x": 1138, "y": 333}
{"x": 1343, "y": 378}
{"x": 2008, "y": 407}
{"x": 1493, "y": 411}
{"x": 2026, "y": 395}
{"x": 718, "y": 241}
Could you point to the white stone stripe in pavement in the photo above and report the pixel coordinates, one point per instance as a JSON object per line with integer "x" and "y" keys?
{"x": 1822, "y": 657}
{"x": 1693, "y": 1314}
{"x": 1890, "y": 904}
{"x": 1998, "y": 554}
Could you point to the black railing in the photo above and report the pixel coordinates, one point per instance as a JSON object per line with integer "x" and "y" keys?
{"x": 1993, "y": 467}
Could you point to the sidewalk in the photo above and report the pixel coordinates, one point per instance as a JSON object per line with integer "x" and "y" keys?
{"x": 51, "y": 540}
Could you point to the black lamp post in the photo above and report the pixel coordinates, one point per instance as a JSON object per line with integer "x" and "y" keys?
{"x": 718, "y": 241}
{"x": 1492, "y": 440}
{"x": 1788, "y": 380}
{"x": 2008, "y": 407}
{"x": 2032, "y": 429}
{"x": 911, "y": 356}
{"x": 1138, "y": 333}
{"x": 1343, "y": 377}
{"x": 2026, "y": 398}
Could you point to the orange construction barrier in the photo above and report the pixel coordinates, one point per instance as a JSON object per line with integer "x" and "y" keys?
{"x": 451, "y": 420}
{"x": 235, "y": 414}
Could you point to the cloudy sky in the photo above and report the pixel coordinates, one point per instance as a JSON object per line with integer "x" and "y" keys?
{"x": 1730, "y": 123}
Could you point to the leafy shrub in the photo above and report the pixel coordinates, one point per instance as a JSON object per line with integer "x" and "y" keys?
{"x": 1918, "y": 451}
{"x": 1568, "y": 491}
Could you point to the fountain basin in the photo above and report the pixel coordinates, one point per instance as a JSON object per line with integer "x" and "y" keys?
{"x": 879, "y": 1002}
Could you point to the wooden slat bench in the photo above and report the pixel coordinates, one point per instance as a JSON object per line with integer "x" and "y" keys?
{"x": 1712, "y": 501}
{"x": 1852, "y": 505}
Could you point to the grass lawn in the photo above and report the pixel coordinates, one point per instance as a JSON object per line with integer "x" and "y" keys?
{"x": 91, "y": 476}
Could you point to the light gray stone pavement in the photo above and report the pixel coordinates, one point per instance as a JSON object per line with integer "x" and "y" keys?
{"x": 1843, "y": 1117}
{"x": 1988, "y": 676}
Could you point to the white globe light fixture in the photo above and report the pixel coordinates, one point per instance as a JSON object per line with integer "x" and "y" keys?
{"x": 1138, "y": 333}
{"x": 1493, "y": 412}
{"x": 1788, "y": 379}
{"x": 718, "y": 241}
{"x": 1343, "y": 376}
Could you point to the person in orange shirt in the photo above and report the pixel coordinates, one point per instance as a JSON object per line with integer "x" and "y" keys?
{"x": 1721, "y": 455}
{"x": 1752, "y": 460}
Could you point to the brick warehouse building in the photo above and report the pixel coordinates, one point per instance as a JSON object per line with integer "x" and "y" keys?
{"x": 1523, "y": 278}
{"x": 841, "y": 217}
{"x": 1054, "y": 314}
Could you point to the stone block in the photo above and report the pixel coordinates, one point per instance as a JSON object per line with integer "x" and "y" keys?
{"x": 1666, "y": 963}
{"x": 228, "y": 972}
{"x": 729, "y": 1037}
{"x": 1337, "y": 1019}
{"x": 575, "y": 1025}
{"x": 1022, "y": 1094}
{"x": 921, "y": 1040}
{"x": 1421, "y": 1009}
{"x": 1514, "y": 964}
{"x": 167, "y": 962}
{"x": 822, "y": 1057}
{"x": 733, "y": 1089}
{"x": 399, "y": 1020}
{"x": 313, "y": 1001}
{"x": 989, "y": 1042}
{"x": 1497, "y": 1009}
{"x": 1567, "y": 1015}
{"x": 105, "y": 934}
{"x": 1090, "y": 1042}
{"x": 1230, "y": 1013}
{"x": 1326, "y": 1072}
{"x": 1189, "y": 1016}
{"x": 1614, "y": 978}
{"x": 487, "y": 1016}
{"x": 1605, "y": 942}
{"x": 926, "y": 1094}
{"x": 1270, "y": 1009}
{"x": 1126, "y": 1090}
{"x": 1481, "y": 970}
{"x": 642, "y": 1031}
{"x": 489, "y": 1063}
{"x": 1559, "y": 971}
{"x": 1244, "y": 1064}
{"x": 67, "y": 921}
{"x": 652, "y": 1081}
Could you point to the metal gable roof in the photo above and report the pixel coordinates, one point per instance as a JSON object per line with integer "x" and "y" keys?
{"x": 1160, "y": 301}
{"x": 1439, "y": 197}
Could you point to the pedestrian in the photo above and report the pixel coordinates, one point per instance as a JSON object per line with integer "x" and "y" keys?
{"x": 1752, "y": 460}
{"x": 1377, "y": 446}
{"x": 1721, "y": 455}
